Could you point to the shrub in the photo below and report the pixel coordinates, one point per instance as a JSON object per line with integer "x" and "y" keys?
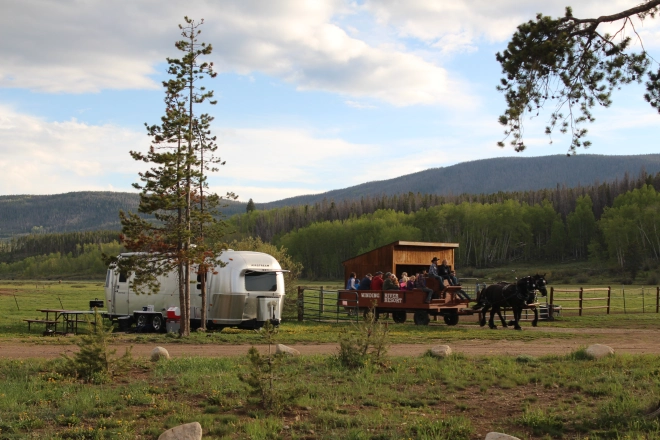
{"x": 366, "y": 343}
{"x": 94, "y": 363}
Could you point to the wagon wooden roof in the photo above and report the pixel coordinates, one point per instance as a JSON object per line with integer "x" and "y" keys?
{"x": 421, "y": 244}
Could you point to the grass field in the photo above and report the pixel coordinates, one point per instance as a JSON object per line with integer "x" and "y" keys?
{"x": 455, "y": 398}
{"x": 20, "y": 300}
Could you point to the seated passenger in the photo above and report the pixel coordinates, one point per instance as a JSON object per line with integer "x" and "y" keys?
{"x": 351, "y": 284}
{"x": 390, "y": 282}
{"x": 410, "y": 284}
{"x": 444, "y": 271}
{"x": 365, "y": 284}
{"x": 420, "y": 283}
{"x": 377, "y": 281}
{"x": 433, "y": 270}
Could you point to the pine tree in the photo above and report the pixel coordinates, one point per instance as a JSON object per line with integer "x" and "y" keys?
{"x": 250, "y": 206}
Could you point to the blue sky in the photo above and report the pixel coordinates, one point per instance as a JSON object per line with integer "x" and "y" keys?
{"x": 312, "y": 95}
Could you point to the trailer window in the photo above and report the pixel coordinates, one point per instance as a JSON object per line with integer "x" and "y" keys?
{"x": 107, "y": 278}
{"x": 122, "y": 277}
{"x": 261, "y": 281}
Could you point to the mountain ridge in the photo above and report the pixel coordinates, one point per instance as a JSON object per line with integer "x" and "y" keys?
{"x": 486, "y": 176}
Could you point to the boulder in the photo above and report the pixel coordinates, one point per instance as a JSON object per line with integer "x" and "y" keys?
{"x": 441, "y": 350}
{"x": 189, "y": 431}
{"x": 500, "y": 436}
{"x": 159, "y": 353}
{"x": 283, "y": 349}
{"x": 598, "y": 351}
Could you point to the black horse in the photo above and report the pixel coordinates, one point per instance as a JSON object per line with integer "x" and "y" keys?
{"x": 516, "y": 296}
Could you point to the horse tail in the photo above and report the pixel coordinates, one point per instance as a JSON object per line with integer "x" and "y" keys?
{"x": 479, "y": 303}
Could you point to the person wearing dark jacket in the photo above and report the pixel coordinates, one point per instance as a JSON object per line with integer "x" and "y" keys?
{"x": 444, "y": 271}
{"x": 365, "y": 283}
{"x": 391, "y": 283}
{"x": 420, "y": 283}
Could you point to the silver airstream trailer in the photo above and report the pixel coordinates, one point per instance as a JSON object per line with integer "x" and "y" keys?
{"x": 245, "y": 293}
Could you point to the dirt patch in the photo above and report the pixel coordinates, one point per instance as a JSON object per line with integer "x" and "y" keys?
{"x": 632, "y": 341}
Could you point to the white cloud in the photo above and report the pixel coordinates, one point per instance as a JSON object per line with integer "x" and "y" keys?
{"x": 358, "y": 105}
{"x": 73, "y": 46}
{"x": 40, "y": 157}
{"x": 459, "y": 26}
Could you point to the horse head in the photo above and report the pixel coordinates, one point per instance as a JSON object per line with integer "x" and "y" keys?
{"x": 526, "y": 289}
{"x": 540, "y": 284}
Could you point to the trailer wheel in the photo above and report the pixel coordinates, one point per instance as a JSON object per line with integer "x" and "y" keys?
{"x": 422, "y": 317}
{"x": 451, "y": 319}
{"x": 157, "y": 323}
{"x": 399, "y": 317}
{"x": 141, "y": 321}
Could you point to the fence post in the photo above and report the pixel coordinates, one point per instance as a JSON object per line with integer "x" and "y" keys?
{"x": 581, "y": 293}
{"x": 609, "y": 295}
{"x": 301, "y": 303}
{"x": 321, "y": 303}
{"x": 643, "y": 302}
{"x": 657, "y": 299}
{"x": 623, "y": 294}
{"x": 551, "y": 305}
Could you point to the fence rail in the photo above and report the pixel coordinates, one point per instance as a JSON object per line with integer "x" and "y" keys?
{"x": 623, "y": 300}
{"x": 319, "y": 304}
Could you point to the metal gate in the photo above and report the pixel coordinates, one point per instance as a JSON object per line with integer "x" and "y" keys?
{"x": 323, "y": 305}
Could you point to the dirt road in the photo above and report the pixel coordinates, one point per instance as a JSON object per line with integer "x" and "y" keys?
{"x": 622, "y": 340}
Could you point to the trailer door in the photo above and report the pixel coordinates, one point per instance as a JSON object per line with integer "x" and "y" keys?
{"x": 121, "y": 296}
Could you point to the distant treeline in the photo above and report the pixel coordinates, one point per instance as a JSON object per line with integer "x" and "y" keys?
{"x": 489, "y": 234}
{"x": 271, "y": 224}
{"x": 73, "y": 243}
{"x": 88, "y": 263}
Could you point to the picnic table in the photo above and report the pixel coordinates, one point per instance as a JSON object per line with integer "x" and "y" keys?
{"x": 68, "y": 319}
{"x": 51, "y": 324}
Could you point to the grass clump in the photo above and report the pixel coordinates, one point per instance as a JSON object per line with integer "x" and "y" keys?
{"x": 365, "y": 344}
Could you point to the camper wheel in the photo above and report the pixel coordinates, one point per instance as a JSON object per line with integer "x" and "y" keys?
{"x": 157, "y": 323}
{"x": 141, "y": 321}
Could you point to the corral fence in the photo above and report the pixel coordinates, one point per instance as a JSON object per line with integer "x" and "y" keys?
{"x": 583, "y": 301}
{"x": 323, "y": 305}
{"x": 319, "y": 304}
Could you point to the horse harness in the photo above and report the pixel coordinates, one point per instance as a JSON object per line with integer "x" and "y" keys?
{"x": 522, "y": 296}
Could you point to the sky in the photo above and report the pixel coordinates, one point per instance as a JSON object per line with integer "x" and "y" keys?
{"x": 312, "y": 95}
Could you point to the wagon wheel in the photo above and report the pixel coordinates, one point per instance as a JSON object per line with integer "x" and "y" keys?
{"x": 399, "y": 317}
{"x": 422, "y": 317}
{"x": 451, "y": 319}
{"x": 157, "y": 323}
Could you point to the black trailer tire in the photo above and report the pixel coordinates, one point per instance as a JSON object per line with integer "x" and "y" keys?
{"x": 422, "y": 317}
{"x": 399, "y": 317}
{"x": 141, "y": 321}
{"x": 158, "y": 323}
{"x": 451, "y": 318}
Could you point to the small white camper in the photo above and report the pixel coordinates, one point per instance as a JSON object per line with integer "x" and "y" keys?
{"x": 245, "y": 293}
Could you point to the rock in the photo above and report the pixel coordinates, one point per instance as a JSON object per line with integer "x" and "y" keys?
{"x": 441, "y": 350}
{"x": 598, "y": 351}
{"x": 500, "y": 436}
{"x": 189, "y": 431}
{"x": 159, "y": 353}
{"x": 283, "y": 349}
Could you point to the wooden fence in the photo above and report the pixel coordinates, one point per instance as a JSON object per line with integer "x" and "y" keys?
{"x": 637, "y": 300}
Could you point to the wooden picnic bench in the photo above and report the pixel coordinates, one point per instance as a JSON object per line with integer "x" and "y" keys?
{"x": 50, "y": 324}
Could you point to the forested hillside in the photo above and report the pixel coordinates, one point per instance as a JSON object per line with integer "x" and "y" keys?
{"x": 273, "y": 223}
{"x": 24, "y": 246}
{"x": 75, "y": 211}
{"x": 487, "y": 176}
{"x": 626, "y": 237}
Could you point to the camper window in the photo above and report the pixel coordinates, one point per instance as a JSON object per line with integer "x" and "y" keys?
{"x": 122, "y": 277}
{"x": 261, "y": 281}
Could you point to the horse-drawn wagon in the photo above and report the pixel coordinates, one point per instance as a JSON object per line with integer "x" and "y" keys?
{"x": 400, "y": 303}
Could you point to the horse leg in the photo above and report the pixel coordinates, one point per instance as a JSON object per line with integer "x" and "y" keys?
{"x": 517, "y": 314}
{"x": 504, "y": 324}
{"x": 491, "y": 322}
{"x": 482, "y": 322}
{"x": 536, "y": 317}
